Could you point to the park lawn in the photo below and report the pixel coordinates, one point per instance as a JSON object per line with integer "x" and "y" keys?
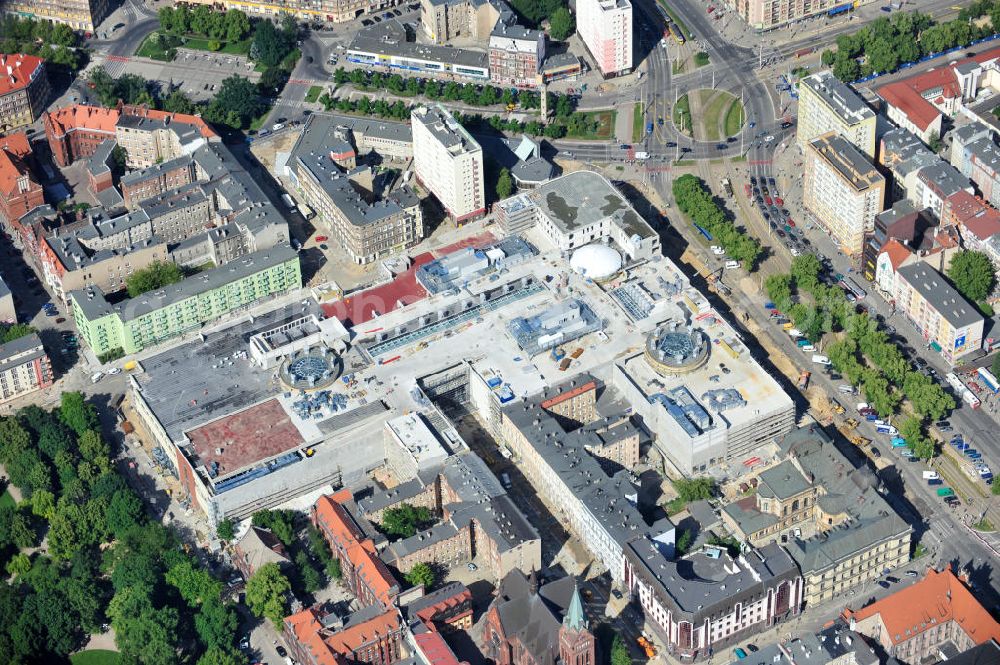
{"x": 228, "y": 48}
{"x": 6, "y": 500}
{"x": 605, "y": 127}
{"x": 717, "y": 102}
{"x": 150, "y": 49}
{"x": 314, "y": 93}
{"x": 637, "y": 118}
{"x": 682, "y": 113}
{"x": 734, "y": 118}
{"x": 95, "y": 657}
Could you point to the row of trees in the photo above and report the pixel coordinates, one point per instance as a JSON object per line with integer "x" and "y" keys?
{"x": 863, "y": 354}
{"x": 696, "y": 201}
{"x": 471, "y": 94}
{"x": 102, "y": 559}
{"x": 886, "y": 43}
{"x": 232, "y": 26}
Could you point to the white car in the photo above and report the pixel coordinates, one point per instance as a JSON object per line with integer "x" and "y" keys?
{"x": 96, "y": 377}
{"x": 794, "y": 251}
{"x": 114, "y": 370}
{"x": 718, "y": 251}
{"x": 278, "y": 127}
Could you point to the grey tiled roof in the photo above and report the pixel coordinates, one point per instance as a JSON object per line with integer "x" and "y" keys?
{"x": 936, "y": 290}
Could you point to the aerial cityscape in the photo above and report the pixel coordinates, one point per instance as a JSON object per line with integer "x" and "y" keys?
{"x": 499, "y": 332}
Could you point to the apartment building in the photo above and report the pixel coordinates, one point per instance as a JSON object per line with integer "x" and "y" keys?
{"x": 19, "y": 191}
{"x": 24, "y": 89}
{"x": 138, "y": 186}
{"x": 770, "y": 14}
{"x": 843, "y": 190}
{"x": 829, "y": 515}
{"x": 977, "y": 157}
{"x": 444, "y": 20}
{"x": 141, "y": 322}
{"x": 913, "y": 624}
{"x": 948, "y": 322}
{"x": 75, "y": 132}
{"x": 605, "y": 26}
{"x": 24, "y": 367}
{"x": 448, "y": 162}
{"x": 373, "y": 635}
{"x": 83, "y": 15}
{"x": 369, "y": 223}
{"x": 516, "y": 55}
{"x": 319, "y": 11}
{"x": 828, "y": 105}
{"x": 913, "y": 228}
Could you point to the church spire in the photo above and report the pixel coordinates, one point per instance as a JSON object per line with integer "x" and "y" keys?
{"x": 575, "y": 618}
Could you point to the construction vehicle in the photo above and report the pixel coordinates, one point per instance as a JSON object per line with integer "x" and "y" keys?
{"x": 647, "y": 646}
{"x": 837, "y": 408}
{"x": 850, "y": 424}
{"x": 577, "y": 353}
{"x": 804, "y": 380}
{"x": 860, "y": 441}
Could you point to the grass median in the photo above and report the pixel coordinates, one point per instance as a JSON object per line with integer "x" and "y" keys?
{"x": 637, "y": 118}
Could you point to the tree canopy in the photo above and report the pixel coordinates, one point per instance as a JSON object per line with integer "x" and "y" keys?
{"x": 265, "y": 594}
{"x": 421, "y": 574}
{"x": 973, "y": 275}
{"x": 155, "y": 276}
{"x": 696, "y": 201}
{"x": 561, "y": 24}
{"x": 404, "y": 520}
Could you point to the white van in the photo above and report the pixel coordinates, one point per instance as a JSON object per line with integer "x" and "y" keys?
{"x": 96, "y": 377}
{"x": 930, "y": 475}
{"x": 847, "y": 390}
{"x": 808, "y": 348}
{"x": 820, "y": 360}
{"x": 795, "y": 333}
{"x": 730, "y": 265}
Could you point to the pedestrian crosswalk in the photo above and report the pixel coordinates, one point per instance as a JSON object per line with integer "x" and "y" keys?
{"x": 115, "y": 65}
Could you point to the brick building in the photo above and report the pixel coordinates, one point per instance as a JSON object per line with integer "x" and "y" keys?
{"x": 24, "y": 89}
{"x": 19, "y": 191}
{"x": 529, "y": 623}
{"x": 371, "y": 635}
{"x": 447, "y": 608}
{"x": 257, "y": 547}
{"x": 913, "y": 623}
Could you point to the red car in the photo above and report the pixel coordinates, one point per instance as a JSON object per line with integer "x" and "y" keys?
{"x": 791, "y": 222}
{"x": 767, "y": 200}
{"x": 711, "y": 9}
{"x": 777, "y": 199}
{"x": 321, "y": 238}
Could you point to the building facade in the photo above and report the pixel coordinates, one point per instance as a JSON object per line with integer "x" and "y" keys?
{"x": 321, "y": 11}
{"x": 83, "y": 15}
{"x": 843, "y": 190}
{"x": 24, "y": 89}
{"x": 605, "y": 26}
{"x": 449, "y": 162}
{"x": 828, "y": 105}
{"x": 24, "y": 367}
{"x": 151, "y": 318}
{"x": 947, "y": 321}
{"x": 516, "y": 56}
{"x": 770, "y": 14}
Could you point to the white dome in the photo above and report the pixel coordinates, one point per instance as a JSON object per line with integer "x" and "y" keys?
{"x": 596, "y": 261}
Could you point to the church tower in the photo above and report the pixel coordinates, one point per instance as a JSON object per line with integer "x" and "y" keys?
{"x": 576, "y": 642}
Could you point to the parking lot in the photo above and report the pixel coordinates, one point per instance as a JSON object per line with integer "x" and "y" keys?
{"x": 195, "y": 73}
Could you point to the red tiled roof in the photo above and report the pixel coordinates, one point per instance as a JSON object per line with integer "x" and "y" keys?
{"x": 569, "y": 394}
{"x": 897, "y": 251}
{"x": 434, "y": 649}
{"x": 938, "y": 598}
{"x": 334, "y": 516}
{"x": 13, "y": 149}
{"x": 907, "y": 95}
{"x": 346, "y": 642}
{"x": 306, "y": 628}
{"x": 81, "y": 116}
{"x": 962, "y": 205}
{"x": 17, "y": 70}
{"x": 984, "y": 224}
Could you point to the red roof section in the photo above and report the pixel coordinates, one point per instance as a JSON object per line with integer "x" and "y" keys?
{"x": 81, "y": 116}
{"x": 907, "y": 95}
{"x": 333, "y": 515}
{"x": 360, "y": 308}
{"x": 434, "y": 649}
{"x": 17, "y": 70}
{"x": 306, "y": 627}
{"x": 938, "y": 598}
{"x": 13, "y": 149}
{"x": 897, "y": 251}
{"x": 569, "y": 394}
{"x": 984, "y": 224}
{"x": 245, "y": 437}
{"x": 346, "y": 642}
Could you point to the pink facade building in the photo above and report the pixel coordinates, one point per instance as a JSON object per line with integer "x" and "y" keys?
{"x": 606, "y": 28}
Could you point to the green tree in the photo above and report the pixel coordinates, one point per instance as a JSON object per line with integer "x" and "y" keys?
{"x": 694, "y": 489}
{"x": 194, "y": 584}
{"x": 157, "y": 275}
{"x": 19, "y": 564}
{"x": 505, "y": 184}
{"x": 270, "y": 45}
{"x": 237, "y": 25}
{"x": 265, "y": 594}
{"x": 561, "y": 24}
{"x": 684, "y": 540}
{"x": 421, "y": 574}
{"x": 236, "y": 103}
{"x": 404, "y": 520}
{"x": 312, "y": 580}
{"x": 934, "y": 142}
{"x": 619, "y": 651}
{"x": 218, "y": 656}
{"x": 216, "y": 624}
{"x": 226, "y": 530}
{"x": 333, "y": 569}
{"x": 779, "y": 289}
{"x": 995, "y": 365}
{"x": 806, "y": 269}
{"x": 973, "y": 275}
{"x": 280, "y": 522}
{"x": 178, "y": 102}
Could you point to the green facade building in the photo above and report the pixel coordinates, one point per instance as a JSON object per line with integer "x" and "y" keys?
{"x": 156, "y": 316}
